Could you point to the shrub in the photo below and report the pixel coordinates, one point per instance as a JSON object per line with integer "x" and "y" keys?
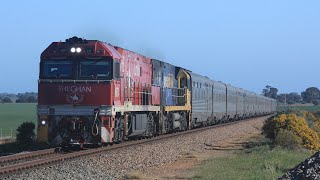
{"x": 288, "y": 140}
{"x": 316, "y": 102}
{"x": 316, "y": 119}
{"x": 310, "y": 118}
{"x": 268, "y": 128}
{"x": 293, "y": 111}
{"x": 26, "y": 134}
{"x": 317, "y": 114}
{"x": 298, "y": 126}
{"x": 6, "y": 100}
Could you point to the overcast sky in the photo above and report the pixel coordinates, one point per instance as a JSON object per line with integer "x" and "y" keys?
{"x": 248, "y": 44}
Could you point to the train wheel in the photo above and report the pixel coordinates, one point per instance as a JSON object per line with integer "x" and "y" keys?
{"x": 151, "y": 130}
{"x": 118, "y": 130}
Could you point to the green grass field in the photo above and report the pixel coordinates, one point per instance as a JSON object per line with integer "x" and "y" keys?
{"x": 256, "y": 163}
{"x": 303, "y": 108}
{"x": 13, "y": 114}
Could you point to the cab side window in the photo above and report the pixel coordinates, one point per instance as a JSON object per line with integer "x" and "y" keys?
{"x": 116, "y": 70}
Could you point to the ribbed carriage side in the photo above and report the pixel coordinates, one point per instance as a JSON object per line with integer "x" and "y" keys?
{"x": 202, "y": 108}
{"x": 265, "y": 105}
{"x": 255, "y": 105}
{"x": 268, "y": 105}
{"x": 273, "y": 106}
{"x": 240, "y": 103}
{"x": 250, "y": 100}
{"x": 219, "y": 101}
{"x": 261, "y": 104}
{"x": 231, "y": 102}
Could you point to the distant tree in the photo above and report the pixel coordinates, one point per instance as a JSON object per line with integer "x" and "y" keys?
{"x": 293, "y": 97}
{"x": 270, "y": 92}
{"x": 273, "y": 93}
{"x": 266, "y": 90}
{"x": 31, "y": 99}
{"x": 27, "y": 97}
{"x": 281, "y": 98}
{"x": 316, "y": 102}
{"x": 6, "y": 100}
{"x": 9, "y": 95}
{"x": 311, "y": 95}
{"x": 290, "y": 98}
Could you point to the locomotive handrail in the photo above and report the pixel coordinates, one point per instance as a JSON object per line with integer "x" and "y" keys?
{"x": 142, "y": 93}
{"x": 174, "y": 88}
{"x": 179, "y": 96}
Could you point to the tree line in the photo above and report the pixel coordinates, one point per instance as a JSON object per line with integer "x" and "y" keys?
{"x": 27, "y": 97}
{"x": 310, "y": 95}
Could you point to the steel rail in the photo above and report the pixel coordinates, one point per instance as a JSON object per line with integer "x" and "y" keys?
{"x": 15, "y": 157}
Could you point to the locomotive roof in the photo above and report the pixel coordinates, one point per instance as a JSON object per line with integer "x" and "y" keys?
{"x": 98, "y": 48}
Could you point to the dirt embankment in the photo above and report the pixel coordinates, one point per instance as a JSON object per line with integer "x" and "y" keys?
{"x": 226, "y": 141}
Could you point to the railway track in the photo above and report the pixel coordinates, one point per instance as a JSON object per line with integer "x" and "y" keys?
{"x": 53, "y": 158}
{"x": 25, "y": 156}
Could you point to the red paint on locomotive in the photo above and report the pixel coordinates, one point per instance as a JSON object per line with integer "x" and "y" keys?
{"x": 137, "y": 70}
{"x": 77, "y": 94}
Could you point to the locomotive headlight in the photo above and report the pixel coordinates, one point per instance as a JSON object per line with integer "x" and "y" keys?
{"x": 78, "y": 50}
{"x": 73, "y": 50}
{"x": 43, "y": 122}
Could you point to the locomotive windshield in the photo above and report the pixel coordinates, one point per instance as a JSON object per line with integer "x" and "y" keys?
{"x": 101, "y": 69}
{"x": 82, "y": 69}
{"x": 58, "y": 69}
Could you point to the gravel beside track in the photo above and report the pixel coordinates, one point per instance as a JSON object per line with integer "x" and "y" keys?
{"x": 115, "y": 164}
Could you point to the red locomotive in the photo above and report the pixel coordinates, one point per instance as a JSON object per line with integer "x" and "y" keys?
{"x": 91, "y": 92}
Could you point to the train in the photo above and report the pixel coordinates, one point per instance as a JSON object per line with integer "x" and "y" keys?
{"x": 92, "y": 93}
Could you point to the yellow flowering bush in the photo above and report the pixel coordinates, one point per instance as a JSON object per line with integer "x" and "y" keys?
{"x": 306, "y": 135}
